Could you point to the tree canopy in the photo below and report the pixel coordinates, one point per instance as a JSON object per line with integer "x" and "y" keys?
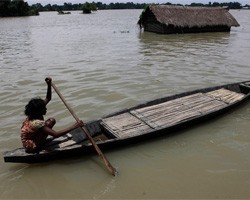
{"x": 16, "y": 8}
{"x": 21, "y": 8}
{"x": 88, "y": 7}
{"x": 128, "y": 5}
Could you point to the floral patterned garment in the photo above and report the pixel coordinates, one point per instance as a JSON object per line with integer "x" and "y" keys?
{"x": 31, "y": 136}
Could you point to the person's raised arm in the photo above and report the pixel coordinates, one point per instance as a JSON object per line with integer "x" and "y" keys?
{"x": 48, "y": 95}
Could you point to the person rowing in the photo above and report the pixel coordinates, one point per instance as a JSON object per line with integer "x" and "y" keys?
{"x": 35, "y": 130}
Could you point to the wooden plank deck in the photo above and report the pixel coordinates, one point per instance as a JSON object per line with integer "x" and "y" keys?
{"x": 125, "y": 124}
{"x": 156, "y": 117}
{"x": 226, "y": 95}
{"x": 165, "y": 114}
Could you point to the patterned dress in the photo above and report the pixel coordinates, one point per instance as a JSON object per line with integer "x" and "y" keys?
{"x": 31, "y": 135}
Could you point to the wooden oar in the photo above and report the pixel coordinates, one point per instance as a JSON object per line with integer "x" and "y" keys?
{"x": 85, "y": 130}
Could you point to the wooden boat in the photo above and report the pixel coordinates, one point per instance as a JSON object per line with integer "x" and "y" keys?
{"x": 147, "y": 120}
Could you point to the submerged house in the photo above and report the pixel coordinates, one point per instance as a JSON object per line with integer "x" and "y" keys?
{"x": 167, "y": 19}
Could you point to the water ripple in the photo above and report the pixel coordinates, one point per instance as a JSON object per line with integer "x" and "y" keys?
{"x": 102, "y": 63}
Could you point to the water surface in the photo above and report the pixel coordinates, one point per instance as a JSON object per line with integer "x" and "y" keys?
{"x": 102, "y": 63}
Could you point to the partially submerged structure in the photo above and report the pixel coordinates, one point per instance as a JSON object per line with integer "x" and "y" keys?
{"x": 167, "y": 19}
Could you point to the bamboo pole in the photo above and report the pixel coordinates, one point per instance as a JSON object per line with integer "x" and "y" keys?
{"x": 110, "y": 168}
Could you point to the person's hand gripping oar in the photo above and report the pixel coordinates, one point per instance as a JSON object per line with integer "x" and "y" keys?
{"x": 110, "y": 168}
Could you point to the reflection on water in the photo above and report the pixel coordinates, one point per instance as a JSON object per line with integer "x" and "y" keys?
{"x": 102, "y": 63}
{"x": 183, "y": 56}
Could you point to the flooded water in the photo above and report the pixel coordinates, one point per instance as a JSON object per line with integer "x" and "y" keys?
{"x": 102, "y": 63}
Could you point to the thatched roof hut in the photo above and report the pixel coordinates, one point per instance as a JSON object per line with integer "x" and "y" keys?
{"x": 181, "y": 19}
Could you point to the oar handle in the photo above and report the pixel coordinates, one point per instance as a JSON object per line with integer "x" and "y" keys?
{"x": 85, "y": 130}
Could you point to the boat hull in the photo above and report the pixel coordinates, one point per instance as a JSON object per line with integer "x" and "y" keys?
{"x": 120, "y": 136}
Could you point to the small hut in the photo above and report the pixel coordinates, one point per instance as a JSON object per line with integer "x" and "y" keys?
{"x": 167, "y": 19}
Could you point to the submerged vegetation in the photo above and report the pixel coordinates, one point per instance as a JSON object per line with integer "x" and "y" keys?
{"x": 128, "y": 5}
{"x": 21, "y": 8}
{"x": 87, "y": 8}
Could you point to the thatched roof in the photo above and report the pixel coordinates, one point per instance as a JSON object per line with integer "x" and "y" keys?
{"x": 183, "y": 16}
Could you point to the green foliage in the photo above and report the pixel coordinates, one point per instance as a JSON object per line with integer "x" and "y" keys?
{"x": 230, "y": 5}
{"x": 21, "y": 8}
{"x": 16, "y": 8}
{"x": 87, "y": 8}
{"x": 97, "y": 6}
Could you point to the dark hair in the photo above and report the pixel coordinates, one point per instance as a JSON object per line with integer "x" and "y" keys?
{"x": 35, "y": 108}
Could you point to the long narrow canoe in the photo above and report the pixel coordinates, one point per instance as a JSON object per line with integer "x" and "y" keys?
{"x": 147, "y": 120}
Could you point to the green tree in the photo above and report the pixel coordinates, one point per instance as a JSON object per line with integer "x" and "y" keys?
{"x": 87, "y": 7}
{"x": 4, "y": 8}
{"x": 16, "y": 8}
